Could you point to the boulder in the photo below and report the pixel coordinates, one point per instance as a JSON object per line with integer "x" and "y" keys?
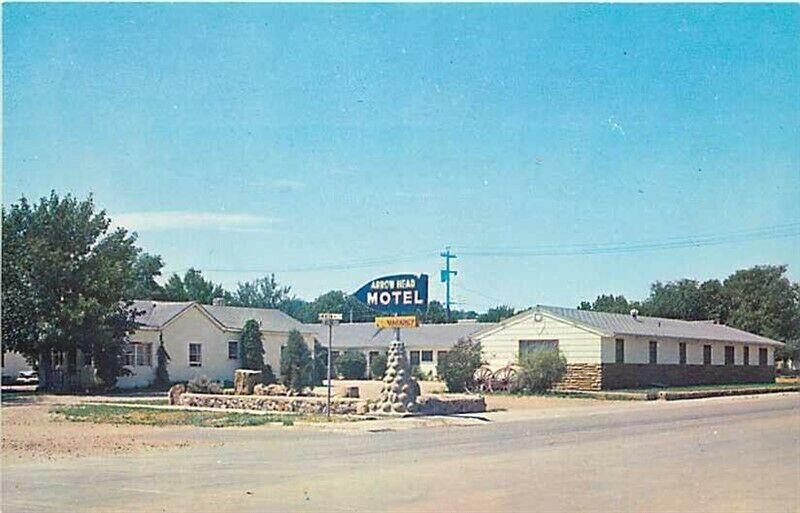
{"x": 245, "y": 380}
{"x": 275, "y": 389}
{"x": 175, "y": 393}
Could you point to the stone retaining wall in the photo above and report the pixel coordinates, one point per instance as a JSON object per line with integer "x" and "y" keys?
{"x": 451, "y": 404}
{"x": 428, "y": 405}
{"x": 307, "y": 405}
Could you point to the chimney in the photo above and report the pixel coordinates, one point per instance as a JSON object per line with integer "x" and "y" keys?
{"x": 218, "y": 301}
{"x": 635, "y": 313}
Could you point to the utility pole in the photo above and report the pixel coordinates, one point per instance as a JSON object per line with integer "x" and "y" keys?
{"x": 445, "y": 275}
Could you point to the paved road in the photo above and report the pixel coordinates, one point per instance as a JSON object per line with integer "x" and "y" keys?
{"x": 716, "y": 455}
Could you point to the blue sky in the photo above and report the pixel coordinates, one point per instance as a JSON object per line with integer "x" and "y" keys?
{"x": 246, "y": 138}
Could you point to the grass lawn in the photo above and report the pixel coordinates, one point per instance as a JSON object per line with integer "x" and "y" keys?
{"x": 112, "y": 414}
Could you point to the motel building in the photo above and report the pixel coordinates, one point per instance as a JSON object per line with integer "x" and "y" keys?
{"x": 425, "y": 344}
{"x": 201, "y": 341}
{"x": 613, "y": 351}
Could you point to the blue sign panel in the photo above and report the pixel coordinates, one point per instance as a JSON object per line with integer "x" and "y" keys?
{"x": 397, "y": 294}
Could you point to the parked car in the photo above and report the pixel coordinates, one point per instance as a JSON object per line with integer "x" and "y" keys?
{"x": 28, "y": 377}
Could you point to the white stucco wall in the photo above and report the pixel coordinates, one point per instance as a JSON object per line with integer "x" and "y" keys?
{"x": 501, "y": 347}
{"x": 194, "y": 326}
{"x": 637, "y": 350}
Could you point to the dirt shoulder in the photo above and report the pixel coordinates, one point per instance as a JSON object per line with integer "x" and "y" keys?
{"x": 29, "y": 431}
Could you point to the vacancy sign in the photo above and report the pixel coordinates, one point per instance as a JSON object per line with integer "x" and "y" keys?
{"x": 400, "y": 321}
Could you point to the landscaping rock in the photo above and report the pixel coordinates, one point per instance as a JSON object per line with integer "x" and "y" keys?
{"x": 245, "y": 380}
{"x": 400, "y": 390}
{"x": 175, "y": 393}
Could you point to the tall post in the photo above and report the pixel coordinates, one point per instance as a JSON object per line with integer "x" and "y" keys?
{"x": 329, "y": 320}
{"x": 446, "y": 274}
{"x": 330, "y": 351}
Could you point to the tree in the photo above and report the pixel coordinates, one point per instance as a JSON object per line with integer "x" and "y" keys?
{"x": 162, "y": 380}
{"x": 145, "y": 269}
{"x": 377, "y": 367}
{"x": 762, "y": 300}
{"x": 496, "y": 314}
{"x": 352, "y": 364}
{"x": 193, "y": 287}
{"x": 457, "y": 368}
{"x": 296, "y": 364}
{"x": 66, "y": 280}
{"x": 251, "y": 352}
{"x": 607, "y": 303}
{"x": 336, "y": 301}
{"x": 540, "y": 369}
{"x": 320, "y": 363}
{"x": 436, "y": 313}
{"x": 681, "y": 299}
{"x": 261, "y": 293}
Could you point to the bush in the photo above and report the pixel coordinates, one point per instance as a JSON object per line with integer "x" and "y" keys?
{"x": 161, "y": 381}
{"x": 203, "y": 385}
{"x": 457, "y": 368}
{"x": 296, "y": 363}
{"x": 351, "y": 364}
{"x": 417, "y": 374}
{"x": 377, "y": 367}
{"x": 539, "y": 370}
{"x": 320, "y": 363}
{"x": 267, "y": 376}
{"x": 251, "y": 347}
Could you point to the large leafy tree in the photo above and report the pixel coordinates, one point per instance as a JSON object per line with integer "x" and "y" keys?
{"x": 193, "y": 287}
{"x": 66, "y": 278}
{"x": 146, "y": 268}
{"x": 436, "y": 313}
{"x": 763, "y": 300}
{"x": 264, "y": 292}
{"x": 336, "y": 301}
{"x": 760, "y": 300}
{"x": 497, "y": 314}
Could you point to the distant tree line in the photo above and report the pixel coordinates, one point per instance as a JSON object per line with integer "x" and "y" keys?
{"x": 760, "y": 300}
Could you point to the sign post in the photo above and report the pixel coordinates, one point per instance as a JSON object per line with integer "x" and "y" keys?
{"x": 330, "y": 320}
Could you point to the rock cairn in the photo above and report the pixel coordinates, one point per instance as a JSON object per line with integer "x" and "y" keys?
{"x": 399, "y": 394}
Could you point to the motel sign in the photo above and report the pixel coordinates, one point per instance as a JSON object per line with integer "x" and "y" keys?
{"x": 397, "y": 294}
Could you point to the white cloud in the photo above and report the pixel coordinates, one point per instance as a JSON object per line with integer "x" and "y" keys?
{"x": 181, "y": 220}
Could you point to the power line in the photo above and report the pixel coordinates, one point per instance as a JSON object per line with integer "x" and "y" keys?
{"x": 765, "y": 233}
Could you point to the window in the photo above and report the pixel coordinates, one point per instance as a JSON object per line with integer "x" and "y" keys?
{"x": 528, "y": 346}
{"x": 144, "y": 354}
{"x": 746, "y": 355}
{"x": 373, "y": 355}
{"x": 233, "y": 350}
{"x": 195, "y": 355}
{"x": 653, "y": 352}
{"x": 729, "y": 355}
{"x": 619, "y": 355}
{"x": 682, "y": 353}
{"x": 706, "y": 355}
{"x": 128, "y": 356}
{"x": 427, "y": 356}
{"x": 762, "y": 356}
{"x": 414, "y": 357}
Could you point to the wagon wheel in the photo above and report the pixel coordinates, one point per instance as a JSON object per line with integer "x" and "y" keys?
{"x": 483, "y": 379}
{"x": 504, "y": 379}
